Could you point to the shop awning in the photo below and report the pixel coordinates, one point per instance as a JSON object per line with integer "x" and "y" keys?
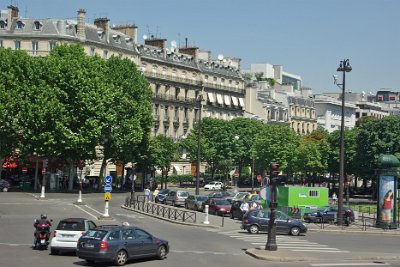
{"x": 177, "y": 169}
{"x": 241, "y": 102}
{"x": 235, "y": 101}
{"x": 227, "y": 100}
{"x": 211, "y": 97}
{"x": 219, "y": 99}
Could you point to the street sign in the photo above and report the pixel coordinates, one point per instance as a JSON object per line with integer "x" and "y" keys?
{"x": 107, "y": 196}
{"x": 107, "y": 188}
{"x": 259, "y": 178}
{"x": 24, "y": 170}
{"x": 236, "y": 174}
{"x": 108, "y": 180}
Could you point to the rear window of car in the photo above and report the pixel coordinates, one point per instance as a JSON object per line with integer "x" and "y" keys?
{"x": 71, "y": 226}
{"x": 202, "y": 198}
{"x": 183, "y": 194}
{"x": 222, "y": 202}
{"x": 96, "y": 234}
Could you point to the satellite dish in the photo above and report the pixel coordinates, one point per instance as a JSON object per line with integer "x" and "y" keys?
{"x": 145, "y": 37}
{"x": 220, "y": 57}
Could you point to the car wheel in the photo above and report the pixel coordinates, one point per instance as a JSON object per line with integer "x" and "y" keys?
{"x": 121, "y": 258}
{"x": 295, "y": 231}
{"x": 162, "y": 252}
{"x": 232, "y": 217}
{"x": 54, "y": 251}
{"x": 90, "y": 261}
{"x": 5, "y": 189}
{"x": 173, "y": 204}
{"x": 253, "y": 229}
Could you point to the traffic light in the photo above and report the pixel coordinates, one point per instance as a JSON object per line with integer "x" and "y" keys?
{"x": 274, "y": 171}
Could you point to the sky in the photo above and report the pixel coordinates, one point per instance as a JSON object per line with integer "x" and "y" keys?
{"x": 308, "y": 38}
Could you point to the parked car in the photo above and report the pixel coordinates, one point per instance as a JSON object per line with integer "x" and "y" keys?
{"x": 222, "y": 194}
{"x": 119, "y": 244}
{"x": 240, "y": 195}
{"x": 327, "y": 214}
{"x": 193, "y": 202}
{"x": 4, "y": 185}
{"x": 218, "y": 206}
{"x": 236, "y": 212}
{"x": 214, "y": 186}
{"x": 176, "y": 198}
{"x": 68, "y": 231}
{"x": 258, "y": 220}
{"x": 161, "y": 196}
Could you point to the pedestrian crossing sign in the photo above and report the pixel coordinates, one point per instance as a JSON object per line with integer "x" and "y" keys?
{"x": 107, "y": 196}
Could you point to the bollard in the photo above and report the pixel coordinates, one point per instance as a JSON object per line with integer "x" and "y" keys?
{"x": 206, "y": 215}
{"x": 106, "y": 209}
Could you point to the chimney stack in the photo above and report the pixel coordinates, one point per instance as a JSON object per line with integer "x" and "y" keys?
{"x": 13, "y": 13}
{"x": 103, "y": 23}
{"x": 191, "y": 51}
{"x": 130, "y": 30}
{"x": 80, "y": 30}
{"x": 156, "y": 42}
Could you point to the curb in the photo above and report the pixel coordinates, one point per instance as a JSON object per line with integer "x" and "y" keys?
{"x": 260, "y": 254}
{"x": 169, "y": 220}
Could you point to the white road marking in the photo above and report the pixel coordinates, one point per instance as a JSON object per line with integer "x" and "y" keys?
{"x": 86, "y": 212}
{"x": 14, "y": 245}
{"x": 350, "y": 264}
{"x": 325, "y": 251}
{"x": 94, "y": 209}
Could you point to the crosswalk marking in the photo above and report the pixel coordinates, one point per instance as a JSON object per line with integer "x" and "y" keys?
{"x": 284, "y": 242}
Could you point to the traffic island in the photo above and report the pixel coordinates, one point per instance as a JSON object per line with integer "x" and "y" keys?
{"x": 281, "y": 256}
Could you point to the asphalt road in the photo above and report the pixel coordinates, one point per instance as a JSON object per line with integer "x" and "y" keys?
{"x": 190, "y": 246}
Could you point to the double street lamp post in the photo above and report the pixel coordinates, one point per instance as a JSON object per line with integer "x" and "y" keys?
{"x": 343, "y": 67}
{"x": 199, "y": 100}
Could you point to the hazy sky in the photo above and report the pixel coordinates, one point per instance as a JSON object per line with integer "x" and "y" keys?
{"x": 308, "y": 37}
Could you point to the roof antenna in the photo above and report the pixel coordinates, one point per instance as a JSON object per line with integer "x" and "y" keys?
{"x": 186, "y": 41}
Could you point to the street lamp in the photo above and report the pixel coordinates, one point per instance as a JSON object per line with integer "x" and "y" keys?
{"x": 199, "y": 100}
{"x": 343, "y": 67}
{"x": 271, "y": 244}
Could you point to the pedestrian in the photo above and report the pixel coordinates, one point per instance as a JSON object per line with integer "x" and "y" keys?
{"x": 147, "y": 194}
{"x": 155, "y": 194}
{"x": 334, "y": 198}
{"x": 244, "y": 207}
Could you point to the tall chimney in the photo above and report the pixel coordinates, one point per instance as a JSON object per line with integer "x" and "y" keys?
{"x": 103, "y": 23}
{"x": 80, "y": 30}
{"x": 13, "y": 13}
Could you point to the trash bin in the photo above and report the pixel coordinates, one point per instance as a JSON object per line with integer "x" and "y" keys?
{"x": 25, "y": 185}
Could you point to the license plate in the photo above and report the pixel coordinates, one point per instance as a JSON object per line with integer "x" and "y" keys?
{"x": 67, "y": 235}
{"x": 89, "y": 246}
{"x": 42, "y": 241}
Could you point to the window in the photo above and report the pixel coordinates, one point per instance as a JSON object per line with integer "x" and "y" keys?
{"x": 37, "y": 25}
{"x": 128, "y": 234}
{"x": 313, "y": 193}
{"x": 52, "y": 45}
{"x": 113, "y": 236}
{"x": 105, "y": 54}
{"x": 20, "y": 25}
{"x": 3, "y": 24}
{"x": 91, "y": 225}
{"x": 142, "y": 234}
{"x": 35, "y": 46}
{"x": 155, "y": 67}
{"x": 92, "y": 51}
{"x": 17, "y": 45}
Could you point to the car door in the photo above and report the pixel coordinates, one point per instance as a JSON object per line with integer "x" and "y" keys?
{"x": 146, "y": 245}
{"x": 262, "y": 218}
{"x": 131, "y": 243}
{"x": 282, "y": 222}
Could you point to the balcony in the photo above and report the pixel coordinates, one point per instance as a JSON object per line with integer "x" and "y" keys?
{"x": 150, "y": 74}
{"x": 171, "y": 98}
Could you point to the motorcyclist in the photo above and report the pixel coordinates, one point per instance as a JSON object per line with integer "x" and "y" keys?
{"x": 42, "y": 221}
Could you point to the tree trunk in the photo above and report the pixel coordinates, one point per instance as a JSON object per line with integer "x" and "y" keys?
{"x": 72, "y": 173}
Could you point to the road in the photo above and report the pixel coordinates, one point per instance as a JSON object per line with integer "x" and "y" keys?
{"x": 190, "y": 246}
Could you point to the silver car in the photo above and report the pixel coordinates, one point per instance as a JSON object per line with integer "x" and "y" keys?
{"x": 176, "y": 198}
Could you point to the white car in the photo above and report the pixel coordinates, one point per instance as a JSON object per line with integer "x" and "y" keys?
{"x": 68, "y": 231}
{"x": 213, "y": 186}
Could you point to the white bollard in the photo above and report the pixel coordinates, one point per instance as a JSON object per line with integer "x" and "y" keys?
{"x": 206, "y": 215}
{"x": 42, "y": 195}
{"x": 106, "y": 209}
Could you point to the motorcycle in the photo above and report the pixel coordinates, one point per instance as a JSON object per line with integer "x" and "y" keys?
{"x": 42, "y": 236}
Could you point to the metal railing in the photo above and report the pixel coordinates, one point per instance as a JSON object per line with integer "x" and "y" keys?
{"x": 177, "y": 214}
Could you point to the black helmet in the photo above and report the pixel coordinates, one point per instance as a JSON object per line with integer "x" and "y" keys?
{"x": 43, "y": 216}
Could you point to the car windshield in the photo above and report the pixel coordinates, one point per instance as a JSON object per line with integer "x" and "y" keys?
{"x": 323, "y": 209}
{"x": 222, "y": 202}
{"x": 164, "y": 191}
{"x": 96, "y": 234}
{"x": 240, "y": 195}
{"x": 202, "y": 198}
{"x": 183, "y": 194}
{"x": 69, "y": 225}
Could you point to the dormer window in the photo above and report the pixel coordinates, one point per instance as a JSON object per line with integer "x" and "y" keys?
{"x": 37, "y": 25}
{"x": 3, "y": 24}
{"x": 128, "y": 40}
{"x": 117, "y": 38}
{"x": 20, "y": 24}
{"x": 101, "y": 34}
